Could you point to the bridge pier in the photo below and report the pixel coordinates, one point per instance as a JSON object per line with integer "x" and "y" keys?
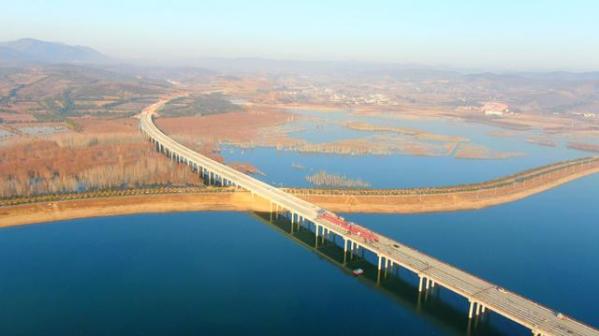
{"x": 475, "y": 309}
{"x": 388, "y": 263}
{"x": 470, "y": 309}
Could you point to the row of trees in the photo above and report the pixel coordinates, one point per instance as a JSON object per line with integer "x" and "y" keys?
{"x": 47, "y": 168}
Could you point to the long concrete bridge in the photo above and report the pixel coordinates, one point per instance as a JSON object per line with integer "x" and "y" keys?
{"x": 483, "y": 297}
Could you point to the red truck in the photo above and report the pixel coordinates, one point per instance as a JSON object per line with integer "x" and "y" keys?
{"x": 349, "y": 227}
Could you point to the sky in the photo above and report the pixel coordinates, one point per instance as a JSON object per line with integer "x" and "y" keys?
{"x": 507, "y": 35}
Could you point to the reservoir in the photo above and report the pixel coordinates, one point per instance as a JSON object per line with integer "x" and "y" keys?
{"x": 231, "y": 273}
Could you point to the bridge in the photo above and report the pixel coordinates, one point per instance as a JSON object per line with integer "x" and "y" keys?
{"x": 483, "y": 296}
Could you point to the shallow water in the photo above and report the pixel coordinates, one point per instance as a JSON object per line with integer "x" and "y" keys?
{"x": 396, "y": 170}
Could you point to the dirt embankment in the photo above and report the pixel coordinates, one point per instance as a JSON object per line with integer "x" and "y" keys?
{"x": 112, "y": 206}
{"x": 413, "y": 203}
{"x": 465, "y": 197}
{"x": 453, "y": 198}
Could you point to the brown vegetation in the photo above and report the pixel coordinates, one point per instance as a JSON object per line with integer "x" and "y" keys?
{"x": 241, "y": 126}
{"x": 324, "y": 179}
{"x": 584, "y": 147}
{"x": 542, "y": 141}
{"x": 85, "y": 162}
{"x": 413, "y": 132}
{"x": 471, "y": 151}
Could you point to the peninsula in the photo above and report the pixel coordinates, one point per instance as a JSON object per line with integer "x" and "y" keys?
{"x": 49, "y": 208}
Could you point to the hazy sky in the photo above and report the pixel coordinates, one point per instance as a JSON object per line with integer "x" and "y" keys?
{"x": 494, "y": 34}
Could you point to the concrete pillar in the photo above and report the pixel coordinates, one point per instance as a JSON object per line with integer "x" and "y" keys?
{"x": 387, "y": 261}
{"x": 379, "y": 257}
{"x": 470, "y": 309}
{"x": 344, "y": 246}
{"x": 477, "y": 309}
{"x": 420, "y": 279}
{"x": 483, "y": 308}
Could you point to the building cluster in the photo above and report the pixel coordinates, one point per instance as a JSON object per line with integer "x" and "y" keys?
{"x": 586, "y": 115}
{"x": 495, "y": 109}
{"x": 322, "y": 94}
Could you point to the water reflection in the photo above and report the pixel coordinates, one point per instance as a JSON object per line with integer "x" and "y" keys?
{"x": 398, "y": 284}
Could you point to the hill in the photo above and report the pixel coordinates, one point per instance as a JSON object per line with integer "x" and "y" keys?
{"x": 27, "y": 50}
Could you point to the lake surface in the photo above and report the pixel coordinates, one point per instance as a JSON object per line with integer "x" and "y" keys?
{"x": 236, "y": 273}
{"x": 280, "y": 168}
{"x": 230, "y": 273}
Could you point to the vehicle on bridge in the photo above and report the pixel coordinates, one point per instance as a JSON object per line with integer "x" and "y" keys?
{"x": 349, "y": 227}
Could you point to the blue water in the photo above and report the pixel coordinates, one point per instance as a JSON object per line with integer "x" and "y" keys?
{"x": 229, "y": 273}
{"x": 387, "y": 171}
{"x": 545, "y": 247}
{"x": 191, "y": 273}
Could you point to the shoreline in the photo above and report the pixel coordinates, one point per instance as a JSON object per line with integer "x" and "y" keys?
{"x": 354, "y": 201}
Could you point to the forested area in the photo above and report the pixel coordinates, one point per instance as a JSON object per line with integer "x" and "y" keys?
{"x": 83, "y": 163}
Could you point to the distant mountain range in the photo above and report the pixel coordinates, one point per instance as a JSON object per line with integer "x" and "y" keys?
{"x": 27, "y": 51}
{"x": 31, "y": 51}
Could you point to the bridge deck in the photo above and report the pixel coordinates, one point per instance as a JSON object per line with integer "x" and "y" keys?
{"x": 541, "y": 320}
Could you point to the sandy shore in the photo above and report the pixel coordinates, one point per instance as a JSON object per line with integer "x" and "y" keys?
{"x": 243, "y": 201}
{"x": 112, "y": 206}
